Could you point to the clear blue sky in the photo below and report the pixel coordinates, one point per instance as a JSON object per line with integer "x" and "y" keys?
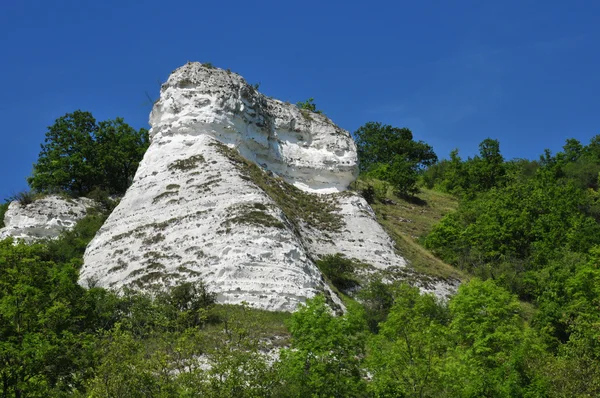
{"x": 455, "y": 72}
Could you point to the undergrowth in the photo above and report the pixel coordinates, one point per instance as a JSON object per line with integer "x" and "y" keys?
{"x": 408, "y": 220}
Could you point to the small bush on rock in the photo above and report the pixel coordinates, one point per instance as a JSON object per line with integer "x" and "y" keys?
{"x": 339, "y": 270}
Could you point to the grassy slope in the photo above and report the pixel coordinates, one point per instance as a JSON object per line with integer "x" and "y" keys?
{"x": 408, "y": 221}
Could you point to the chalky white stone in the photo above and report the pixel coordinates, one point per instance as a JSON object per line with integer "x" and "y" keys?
{"x": 186, "y": 215}
{"x": 44, "y": 218}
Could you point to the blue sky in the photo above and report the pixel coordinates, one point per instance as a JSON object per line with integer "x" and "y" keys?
{"x": 454, "y": 72}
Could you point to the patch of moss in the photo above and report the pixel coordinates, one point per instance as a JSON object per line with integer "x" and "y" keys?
{"x": 186, "y": 270}
{"x": 316, "y": 211}
{"x": 205, "y": 186}
{"x": 248, "y": 215}
{"x": 163, "y": 195}
{"x": 121, "y": 266}
{"x": 306, "y": 115}
{"x": 156, "y": 266}
{"x": 150, "y": 277}
{"x": 152, "y": 240}
{"x": 186, "y": 164}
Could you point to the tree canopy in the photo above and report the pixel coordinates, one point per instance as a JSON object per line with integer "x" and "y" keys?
{"x": 391, "y": 154}
{"x": 80, "y": 155}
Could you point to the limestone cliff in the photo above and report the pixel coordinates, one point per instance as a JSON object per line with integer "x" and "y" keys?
{"x": 44, "y": 218}
{"x": 240, "y": 190}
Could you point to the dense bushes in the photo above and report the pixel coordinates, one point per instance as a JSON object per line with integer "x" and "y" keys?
{"x": 59, "y": 339}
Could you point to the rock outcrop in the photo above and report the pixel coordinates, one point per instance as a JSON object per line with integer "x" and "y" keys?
{"x": 44, "y": 218}
{"x": 240, "y": 190}
{"x": 303, "y": 147}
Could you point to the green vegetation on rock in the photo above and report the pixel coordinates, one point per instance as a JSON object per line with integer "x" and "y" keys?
{"x": 316, "y": 211}
{"x": 3, "y": 209}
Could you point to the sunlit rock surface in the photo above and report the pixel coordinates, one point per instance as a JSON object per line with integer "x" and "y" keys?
{"x": 196, "y": 210}
{"x": 44, "y": 218}
{"x": 304, "y": 148}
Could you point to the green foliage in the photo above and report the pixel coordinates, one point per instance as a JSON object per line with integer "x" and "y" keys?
{"x": 24, "y": 197}
{"x": 339, "y": 270}
{"x": 532, "y": 227}
{"x": 368, "y": 193}
{"x": 390, "y": 154}
{"x": 494, "y": 354}
{"x": 406, "y": 356}
{"x": 324, "y": 359}
{"x": 377, "y": 299}
{"x": 3, "y": 209}
{"x": 80, "y": 155}
{"x": 467, "y": 178}
{"x": 308, "y": 105}
{"x": 521, "y": 224}
{"x": 71, "y": 245}
{"x": 477, "y": 345}
{"x": 40, "y": 305}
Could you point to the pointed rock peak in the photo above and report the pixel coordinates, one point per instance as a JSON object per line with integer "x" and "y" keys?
{"x": 305, "y": 148}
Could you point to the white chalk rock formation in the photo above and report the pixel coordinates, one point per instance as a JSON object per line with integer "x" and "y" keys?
{"x": 44, "y": 218}
{"x": 304, "y": 148}
{"x": 240, "y": 190}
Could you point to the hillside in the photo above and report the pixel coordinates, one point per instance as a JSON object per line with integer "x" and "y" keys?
{"x": 231, "y": 252}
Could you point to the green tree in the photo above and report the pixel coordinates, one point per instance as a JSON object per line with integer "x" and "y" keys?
{"x": 66, "y": 162}
{"x": 494, "y": 355}
{"x": 80, "y": 155}
{"x": 308, "y": 105}
{"x": 405, "y": 358}
{"x": 339, "y": 270}
{"x": 391, "y": 154}
{"x": 324, "y": 359}
{"x": 119, "y": 149}
{"x": 487, "y": 170}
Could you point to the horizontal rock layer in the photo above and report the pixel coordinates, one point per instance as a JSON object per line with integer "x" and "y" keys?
{"x": 44, "y": 218}
{"x": 303, "y": 147}
{"x": 241, "y": 191}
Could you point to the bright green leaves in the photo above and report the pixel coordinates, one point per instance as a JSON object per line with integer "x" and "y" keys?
{"x": 405, "y": 357}
{"x": 325, "y": 356}
{"x": 477, "y": 345}
{"x": 80, "y": 155}
{"x": 390, "y": 154}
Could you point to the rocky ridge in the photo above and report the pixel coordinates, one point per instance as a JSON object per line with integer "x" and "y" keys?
{"x": 242, "y": 191}
{"x": 44, "y": 218}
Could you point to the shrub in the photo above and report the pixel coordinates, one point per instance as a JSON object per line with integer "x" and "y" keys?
{"x": 368, "y": 193}
{"x": 24, "y": 197}
{"x": 339, "y": 270}
{"x": 308, "y": 105}
{"x": 3, "y": 209}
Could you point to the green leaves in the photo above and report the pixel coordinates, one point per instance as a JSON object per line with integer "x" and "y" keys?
{"x": 80, "y": 155}
{"x": 390, "y": 154}
{"x": 405, "y": 357}
{"x": 324, "y": 359}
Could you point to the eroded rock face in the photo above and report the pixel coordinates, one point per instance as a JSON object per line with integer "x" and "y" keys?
{"x": 304, "y": 148}
{"x": 45, "y": 218}
{"x": 191, "y": 215}
{"x": 241, "y": 191}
